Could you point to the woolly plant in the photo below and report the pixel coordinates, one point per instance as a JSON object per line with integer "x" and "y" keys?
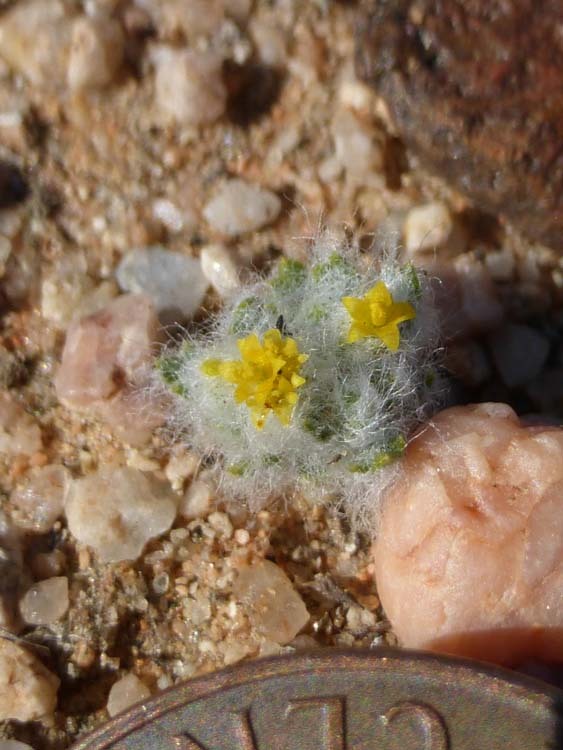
{"x": 310, "y": 379}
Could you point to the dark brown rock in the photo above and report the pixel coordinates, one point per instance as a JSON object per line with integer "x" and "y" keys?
{"x": 475, "y": 88}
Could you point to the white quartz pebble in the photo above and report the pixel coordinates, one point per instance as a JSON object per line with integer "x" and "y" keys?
{"x": 181, "y": 465}
{"x": 469, "y": 553}
{"x": 189, "y": 88}
{"x": 45, "y": 602}
{"x": 61, "y": 295}
{"x": 96, "y": 52}
{"x": 40, "y": 500}
{"x": 28, "y": 690}
{"x": 35, "y": 40}
{"x": 196, "y": 501}
{"x": 238, "y": 207}
{"x": 275, "y": 609}
{"x": 219, "y": 269}
{"x": 355, "y": 149}
{"x": 19, "y": 432}
{"x": 117, "y": 510}
{"x": 174, "y": 282}
{"x": 427, "y": 227}
{"x": 125, "y": 692}
{"x": 270, "y": 42}
{"x": 221, "y": 523}
{"x": 14, "y": 745}
{"x": 173, "y": 217}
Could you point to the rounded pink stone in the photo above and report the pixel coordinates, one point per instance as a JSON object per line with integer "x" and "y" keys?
{"x": 469, "y": 555}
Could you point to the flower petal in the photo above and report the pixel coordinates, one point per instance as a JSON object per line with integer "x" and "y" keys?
{"x": 390, "y": 336}
{"x": 402, "y": 311}
{"x": 380, "y": 294}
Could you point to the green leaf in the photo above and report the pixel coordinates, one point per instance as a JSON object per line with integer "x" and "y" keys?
{"x": 239, "y": 469}
{"x": 334, "y": 262}
{"x": 246, "y": 315}
{"x": 271, "y": 459}
{"x": 321, "y": 419}
{"x": 350, "y": 398}
{"x": 290, "y": 276}
{"x": 392, "y": 451}
{"x": 170, "y": 366}
{"x": 413, "y": 280}
{"x": 318, "y": 313}
{"x": 429, "y": 378}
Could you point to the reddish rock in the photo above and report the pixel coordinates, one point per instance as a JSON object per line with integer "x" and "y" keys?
{"x": 469, "y": 556}
{"x": 474, "y": 89}
{"x": 105, "y": 364}
{"x": 105, "y": 350}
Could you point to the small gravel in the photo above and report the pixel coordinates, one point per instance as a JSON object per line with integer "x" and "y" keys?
{"x": 356, "y": 151}
{"x": 519, "y": 353}
{"x": 96, "y": 52}
{"x": 116, "y": 511}
{"x": 45, "y": 602}
{"x": 427, "y": 227}
{"x": 238, "y": 207}
{"x": 19, "y": 432}
{"x": 274, "y": 607}
{"x": 125, "y": 692}
{"x": 189, "y": 86}
{"x": 174, "y": 282}
{"x": 117, "y": 339}
{"x": 39, "y": 502}
{"x": 196, "y": 501}
{"x": 28, "y": 690}
{"x": 219, "y": 269}
{"x": 35, "y": 40}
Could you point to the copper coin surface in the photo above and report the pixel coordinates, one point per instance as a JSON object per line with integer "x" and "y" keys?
{"x": 335, "y": 700}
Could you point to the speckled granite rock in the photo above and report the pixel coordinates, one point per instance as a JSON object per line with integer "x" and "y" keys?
{"x": 474, "y": 89}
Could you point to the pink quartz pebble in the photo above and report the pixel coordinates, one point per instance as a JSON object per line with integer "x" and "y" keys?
{"x": 469, "y": 555}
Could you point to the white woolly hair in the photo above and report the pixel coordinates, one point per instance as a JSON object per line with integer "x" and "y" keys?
{"x": 359, "y": 400}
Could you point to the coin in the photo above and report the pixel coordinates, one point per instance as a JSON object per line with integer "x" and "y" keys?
{"x": 345, "y": 700}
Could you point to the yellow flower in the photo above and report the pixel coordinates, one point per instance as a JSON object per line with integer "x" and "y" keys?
{"x": 266, "y": 378}
{"x": 377, "y": 314}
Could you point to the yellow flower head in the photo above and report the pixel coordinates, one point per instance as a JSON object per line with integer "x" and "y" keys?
{"x": 377, "y": 314}
{"x": 266, "y": 378}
